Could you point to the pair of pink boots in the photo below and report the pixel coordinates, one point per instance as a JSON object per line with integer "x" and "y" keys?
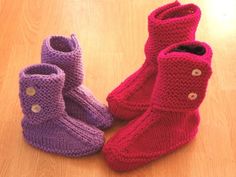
{"x": 163, "y": 96}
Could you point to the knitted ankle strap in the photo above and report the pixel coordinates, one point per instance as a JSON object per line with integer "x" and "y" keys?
{"x": 41, "y": 86}
{"x": 182, "y": 77}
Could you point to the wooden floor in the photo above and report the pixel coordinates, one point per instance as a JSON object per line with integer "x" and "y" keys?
{"x": 112, "y": 34}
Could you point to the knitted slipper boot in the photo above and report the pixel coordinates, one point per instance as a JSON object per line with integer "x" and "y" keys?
{"x": 80, "y": 103}
{"x": 169, "y": 24}
{"x": 46, "y": 125}
{"x": 172, "y": 118}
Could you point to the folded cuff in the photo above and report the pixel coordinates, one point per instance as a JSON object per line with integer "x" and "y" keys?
{"x": 41, "y": 92}
{"x": 182, "y": 77}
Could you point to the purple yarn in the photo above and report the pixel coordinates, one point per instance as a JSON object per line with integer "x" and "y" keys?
{"x": 45, "y": 124}
{"x": 79, "y": 101}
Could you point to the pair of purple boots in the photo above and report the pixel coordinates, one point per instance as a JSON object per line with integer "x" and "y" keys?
{"x": 60, "y": 114}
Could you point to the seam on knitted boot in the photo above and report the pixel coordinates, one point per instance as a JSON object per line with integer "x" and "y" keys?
{"x": 98, "y": 114}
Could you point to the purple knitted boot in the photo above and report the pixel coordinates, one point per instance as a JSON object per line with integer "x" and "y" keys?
{"x": 80, "y": 103}
{"x": 46, "y": 125}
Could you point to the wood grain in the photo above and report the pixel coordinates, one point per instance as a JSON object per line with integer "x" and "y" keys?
{"x": 112, "y": 35}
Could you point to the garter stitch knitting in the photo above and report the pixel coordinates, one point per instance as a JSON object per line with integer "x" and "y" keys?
{"x": 173, "y": 117}
{"x": 167, "y": 25}
{"x": 80, "y": 102}
{"x": 45, "y": 124}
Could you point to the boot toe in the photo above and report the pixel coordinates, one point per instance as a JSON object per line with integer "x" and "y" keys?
{"x": 64, "y": 137}
{"x": 81, "y": 104}
{"x": 121, "y": 159}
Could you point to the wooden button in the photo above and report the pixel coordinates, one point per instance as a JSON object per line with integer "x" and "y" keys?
{"x": 192, "y": 96}
{"x": 30, "y": 91}
{"x": 36, "y": 108}
{"x": 196, "y": 72}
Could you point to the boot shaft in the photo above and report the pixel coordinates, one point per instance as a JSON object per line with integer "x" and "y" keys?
{"x": 170, "y": 24}
{"x": 41, "y": 92}
{"x": 66, "y": 54}
{"x": 183, "y": 73}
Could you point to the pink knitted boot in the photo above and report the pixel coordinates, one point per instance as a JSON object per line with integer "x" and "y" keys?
{"x": 172, "y": 118}
{"x": 80, "y": 102}
{"x": 169, "y": 24}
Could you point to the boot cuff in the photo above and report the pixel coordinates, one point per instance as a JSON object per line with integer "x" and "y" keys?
{"x": 44, "y": 74}
{"x": 65, "y": 53}
{"x": 175, "y": 13}
{"x": 60, "y": 46}
{"x": 41, "y": 92}
{"x": 183, "y": 73}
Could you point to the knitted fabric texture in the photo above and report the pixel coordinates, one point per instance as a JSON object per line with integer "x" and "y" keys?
{"x": 80, "y": 102}
{"x": 167, "y": 25}
{"x": 45, "y": 124}
{"x": 172, "y": 118}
